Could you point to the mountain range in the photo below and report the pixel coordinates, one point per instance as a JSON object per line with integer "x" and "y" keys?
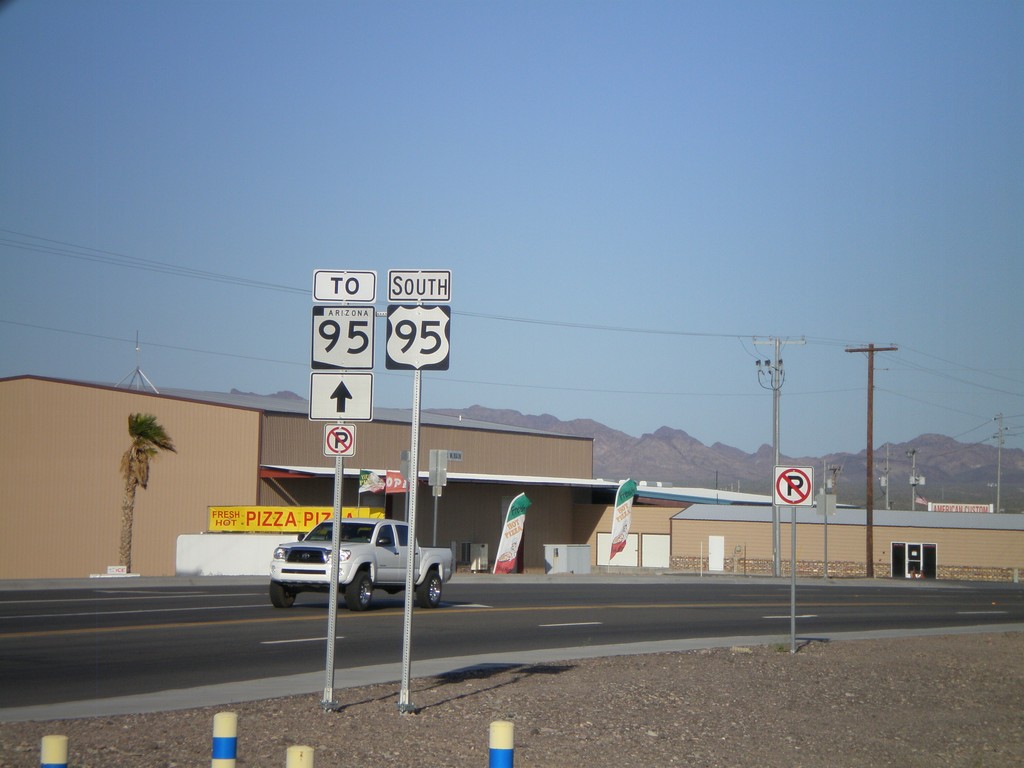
{"x": 953, "y": 472}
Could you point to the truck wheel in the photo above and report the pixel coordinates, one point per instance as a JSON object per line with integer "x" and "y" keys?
{"x": 280, "y": 597}
{"x": 359, "y": 593}
{"x": 428, "y": 593}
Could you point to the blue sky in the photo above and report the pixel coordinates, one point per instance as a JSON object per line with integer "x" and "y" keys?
{"x": 626, "y": 193}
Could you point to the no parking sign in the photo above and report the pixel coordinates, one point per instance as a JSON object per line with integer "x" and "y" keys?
{"x": 339, "y": 440}
{"x": 792, "y": 486}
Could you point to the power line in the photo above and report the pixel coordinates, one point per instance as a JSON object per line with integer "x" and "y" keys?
{"x": 943, "y": 375}
{"x": 86, "y": 253}
{"x": 597, "y": 327}
{"x": 157, "y": 344}
{"x": 447, "y": 379}
{"x": 62, "y": 248}
{"x": 929, "y": 403}
{"x": 651, "y": 393}
{"x": 67, "y": 249}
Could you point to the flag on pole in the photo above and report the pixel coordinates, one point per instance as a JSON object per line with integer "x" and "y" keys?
{"x": 622, "y": 515}
{"x": 511, "y": 535}
{"x": 370, "y": 482}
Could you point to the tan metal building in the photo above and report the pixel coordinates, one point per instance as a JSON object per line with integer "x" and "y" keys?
{"x": 61, "y": 445}
{"x": 62, "y": 442}
{"x": 943, "y": 545}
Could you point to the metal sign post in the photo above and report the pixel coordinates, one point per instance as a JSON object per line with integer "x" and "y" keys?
{"x": 404, "y": 705}
{"x": 792, "y": 488}
{"x": 418, "y": 337}
{"x": 792, "y": 581}
{"x": 341, "y": 337}
{"x": 328, "y": 702}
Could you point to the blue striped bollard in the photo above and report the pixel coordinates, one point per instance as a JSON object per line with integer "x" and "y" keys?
{"x": 502, "y": 755}
{"x": 53, "y": 752}
{"x": 225, "y": 740}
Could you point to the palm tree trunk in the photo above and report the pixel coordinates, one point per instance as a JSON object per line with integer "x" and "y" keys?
{"x": 127, "y": 522}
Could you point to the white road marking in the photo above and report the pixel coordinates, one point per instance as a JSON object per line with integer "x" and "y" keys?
{"x": 298, "y": 640}
{"x": 979, "y": 613}
{"x": 573, "y": 624}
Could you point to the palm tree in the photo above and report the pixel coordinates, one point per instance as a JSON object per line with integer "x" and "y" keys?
{"x": 148, "y": 439}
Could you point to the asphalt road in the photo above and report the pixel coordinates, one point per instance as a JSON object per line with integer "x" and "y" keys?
{"x": 108, "y": 639}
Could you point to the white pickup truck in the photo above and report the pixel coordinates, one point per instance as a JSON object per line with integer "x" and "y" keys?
{"x": 372, "y": 555}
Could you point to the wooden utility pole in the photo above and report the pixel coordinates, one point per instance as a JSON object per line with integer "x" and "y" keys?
{"x": 869, "y": 505}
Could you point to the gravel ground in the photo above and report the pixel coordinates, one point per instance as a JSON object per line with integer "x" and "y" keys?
{"x": 954, "y": 700}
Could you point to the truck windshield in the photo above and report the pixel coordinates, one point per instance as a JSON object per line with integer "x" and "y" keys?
{"x": 355, "y": 533}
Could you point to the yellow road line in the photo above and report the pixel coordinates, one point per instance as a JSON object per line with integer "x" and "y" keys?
{"x": 395, "y": 612}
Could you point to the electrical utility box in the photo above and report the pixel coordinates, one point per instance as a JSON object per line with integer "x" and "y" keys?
{"x": 566, "y": 558}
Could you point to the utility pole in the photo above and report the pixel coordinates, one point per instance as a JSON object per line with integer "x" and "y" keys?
{"x": 912, "y": 455}
{"x": 885, "y": 477}
{"x": 999, "y": 461}
{"x": 869, "y": 521}
{"x": 771, "y": 376}
{"x": 835, "y": 469}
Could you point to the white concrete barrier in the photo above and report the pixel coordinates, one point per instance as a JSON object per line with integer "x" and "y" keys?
{"x": 227, "y": 554}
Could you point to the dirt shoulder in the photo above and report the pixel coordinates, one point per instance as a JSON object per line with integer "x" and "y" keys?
{"x": 952, "y": 700}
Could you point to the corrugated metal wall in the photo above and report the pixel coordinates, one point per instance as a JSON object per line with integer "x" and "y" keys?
{"x": 475, "y": 513}
{"x": 956, "y": 546}
{"x": 590, "y": 520}
{"x": 294, "y": 440}
{"x": 60, "y": 447}
{"x": 689, "y": 536}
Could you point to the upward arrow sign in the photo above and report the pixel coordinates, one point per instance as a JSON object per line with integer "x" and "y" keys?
{"x": 336, "y": 395}
{"x": 341, "y": 395}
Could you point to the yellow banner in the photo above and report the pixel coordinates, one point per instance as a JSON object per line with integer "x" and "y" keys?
{"x": 242, "y": 519}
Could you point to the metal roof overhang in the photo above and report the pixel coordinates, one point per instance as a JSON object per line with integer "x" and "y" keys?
{"x": 286, "y": 471}
{"x": 857, "y": 517}
{"x": 701, "y": 496}
{"x": 662, "y": 495}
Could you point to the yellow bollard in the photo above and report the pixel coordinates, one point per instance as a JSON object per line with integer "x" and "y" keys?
{"x": 299, "y": 757}
{"x": 225, "y": 740}
{"x": 501, "y": 752}
{"x": 53, "y": 752}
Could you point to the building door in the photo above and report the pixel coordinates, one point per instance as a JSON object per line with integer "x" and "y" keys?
{"x": 929, "y": 561}
{"x": 912, "y": 560}
{"x": 899, "y": 560}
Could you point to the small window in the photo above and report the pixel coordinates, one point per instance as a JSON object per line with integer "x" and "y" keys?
{"x": 403, "y": 535}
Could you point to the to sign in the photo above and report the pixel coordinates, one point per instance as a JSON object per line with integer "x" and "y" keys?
{"x": 336, "y": 396}
{"x": 344, "y": 286}
{"x": 339, "y": 440}
{"x": 793, "y": 486}
{"x": 342, "y": 337}
{"x": 419, "y": 337}
{"x": 431, "y": 285}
